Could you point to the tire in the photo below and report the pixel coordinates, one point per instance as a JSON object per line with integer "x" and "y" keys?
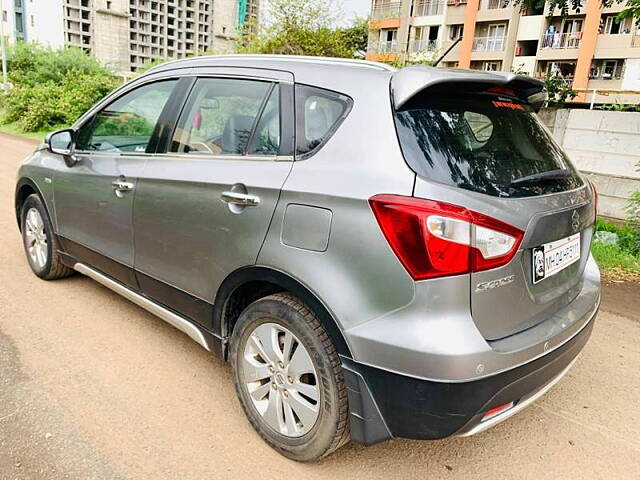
{"x": 39, "y": 242}
{"x": 291, "y": 430}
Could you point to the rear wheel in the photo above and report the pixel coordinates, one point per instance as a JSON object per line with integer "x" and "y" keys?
{"x": 288, "y": 378}
{"x": 39, "y": 242}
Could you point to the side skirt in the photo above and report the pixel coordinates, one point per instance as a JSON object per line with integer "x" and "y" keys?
{"x": 206, "y": 339}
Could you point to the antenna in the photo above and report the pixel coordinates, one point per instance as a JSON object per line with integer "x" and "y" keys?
{"x": 457, "y": 41}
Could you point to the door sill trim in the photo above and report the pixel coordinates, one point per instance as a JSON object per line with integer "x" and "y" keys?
{"x": 168, "y": 316}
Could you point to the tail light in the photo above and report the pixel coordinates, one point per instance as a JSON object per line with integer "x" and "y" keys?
{"x": 436, "y": 239}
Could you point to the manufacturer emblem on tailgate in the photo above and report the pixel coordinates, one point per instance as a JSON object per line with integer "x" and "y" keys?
{"x": 483, "y": 286}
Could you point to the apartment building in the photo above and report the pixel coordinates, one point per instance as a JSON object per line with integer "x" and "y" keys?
{"x": 32, "y": 20}
{"x": 127, "y": 34}
{"x": 590, "y": 48}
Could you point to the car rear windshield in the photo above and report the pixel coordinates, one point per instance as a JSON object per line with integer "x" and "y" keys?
{"x": 488, "y": 144}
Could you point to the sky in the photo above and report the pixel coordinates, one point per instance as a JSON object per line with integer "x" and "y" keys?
{"x": 353, "y": 8}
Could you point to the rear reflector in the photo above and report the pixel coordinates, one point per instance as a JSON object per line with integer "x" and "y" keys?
{"x": 435, "y": 239}
{"x": 494, "y": 412}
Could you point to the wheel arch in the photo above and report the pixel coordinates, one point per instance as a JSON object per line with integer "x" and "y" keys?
{"x": 248, "y": 284}
{"x": 24, "y": 188}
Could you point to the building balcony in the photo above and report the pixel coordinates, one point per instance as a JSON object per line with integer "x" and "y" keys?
{"x": 428, "y": 8}
{"x": 418, "y": 46}
{"x": 383, "y": 47}
{"x": 617, "y": 46}
{"x": 492, "y": 10}
{"x": 494, "y": 4}
{"x": 455, "y": 11}
{"x": 386, "y": 10}
{"x": 488, "y": 44}
{"x": 605, "y": 84}
{"x": 382, "y": 51}
{"x": 561, "y": 41}
{"x": 606, "y": 76}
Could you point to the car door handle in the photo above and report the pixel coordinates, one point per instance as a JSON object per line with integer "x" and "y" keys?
{"x": 122, "y": 186}
{"x": 238, "y": 198}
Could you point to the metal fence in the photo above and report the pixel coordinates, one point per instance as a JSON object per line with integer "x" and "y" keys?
{"x": 383, "y": 47}
{"x": 423, "y": 46}
{"x": 488, "y": 44}
{"x": 561, "y": 40}
{"x": 493, "y": 4}
{"x": 386, "y": 10}
{"x": 432, "y": 7}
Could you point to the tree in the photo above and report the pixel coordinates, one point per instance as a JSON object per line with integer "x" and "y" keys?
{"x": 306, "y": 27}
{"x": 558, "y": 90}
{"x": 285, "y": 15}
{"x": 632, "y": 10}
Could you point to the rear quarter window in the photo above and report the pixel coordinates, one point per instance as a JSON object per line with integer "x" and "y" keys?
{"x": 319, "y": 113}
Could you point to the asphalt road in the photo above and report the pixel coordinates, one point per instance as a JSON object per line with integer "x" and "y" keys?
{"x": 93, "y": 387}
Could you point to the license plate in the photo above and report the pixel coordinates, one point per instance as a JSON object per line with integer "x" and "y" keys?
{"x": 551, "y": 258}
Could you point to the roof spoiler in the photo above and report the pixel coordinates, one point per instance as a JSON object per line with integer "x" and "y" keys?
{"x": 410, "y": 81}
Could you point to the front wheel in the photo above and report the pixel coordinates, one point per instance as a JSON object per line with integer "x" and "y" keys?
{"x": 289, "y": 379}
{"x": 39, "y": 241}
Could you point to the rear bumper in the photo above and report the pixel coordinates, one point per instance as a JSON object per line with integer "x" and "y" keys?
{"x": 435, "y": 337}
{"x": 384, "y": 404}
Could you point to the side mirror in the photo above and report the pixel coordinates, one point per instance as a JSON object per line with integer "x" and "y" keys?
{"x": 62, "y": 143}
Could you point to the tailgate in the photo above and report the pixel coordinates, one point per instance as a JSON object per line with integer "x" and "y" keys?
{"x": 515, "y": 297}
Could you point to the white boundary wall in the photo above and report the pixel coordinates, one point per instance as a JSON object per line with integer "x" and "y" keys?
{"x": 606, "y": 146}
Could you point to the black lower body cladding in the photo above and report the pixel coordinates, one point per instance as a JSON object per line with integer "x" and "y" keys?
{"x": 385, "y": 404}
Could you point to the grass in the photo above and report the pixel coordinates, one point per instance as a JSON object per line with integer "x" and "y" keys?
{"x": 14, "y": 129}
{"x": 613, "y": 257}
{"x": 622, "y": 260}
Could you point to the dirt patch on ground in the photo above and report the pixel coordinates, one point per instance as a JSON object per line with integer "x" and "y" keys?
{"x": 621, "y": 298}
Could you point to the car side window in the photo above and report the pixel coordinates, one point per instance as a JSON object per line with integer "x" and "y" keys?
{"x": 220, "y": 116}
{"x": 319, "y": 112}
{"x": 266, "y": 138}
{"x": 126, "y": 124}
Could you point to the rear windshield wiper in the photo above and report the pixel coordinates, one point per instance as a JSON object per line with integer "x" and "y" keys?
{"x": 558, "y": 174}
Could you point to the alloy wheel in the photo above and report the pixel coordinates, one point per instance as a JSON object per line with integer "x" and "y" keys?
{"x": 281, "y": 380}
{"x": 36, "y": 238}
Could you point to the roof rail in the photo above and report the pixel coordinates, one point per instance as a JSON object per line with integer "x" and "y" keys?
{"x": 286, "y": 58}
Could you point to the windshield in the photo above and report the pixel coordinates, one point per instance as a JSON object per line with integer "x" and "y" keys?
{"x": 488, "y": 144}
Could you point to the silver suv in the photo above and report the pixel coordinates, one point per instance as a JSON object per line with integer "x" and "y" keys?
{"x": 378, "y": 253}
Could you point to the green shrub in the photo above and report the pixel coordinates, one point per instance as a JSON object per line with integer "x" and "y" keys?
{"x": 634, "y": 210}
{"x": 558, "y": 90}
{"x": 32, "y": 64}
{"x": 618, "y": 107}
{"x": 52, "y": 87}
{"x": 628, "y": 236}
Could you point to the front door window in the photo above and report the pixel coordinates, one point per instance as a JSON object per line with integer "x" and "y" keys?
{"x": 127, "y": 124}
